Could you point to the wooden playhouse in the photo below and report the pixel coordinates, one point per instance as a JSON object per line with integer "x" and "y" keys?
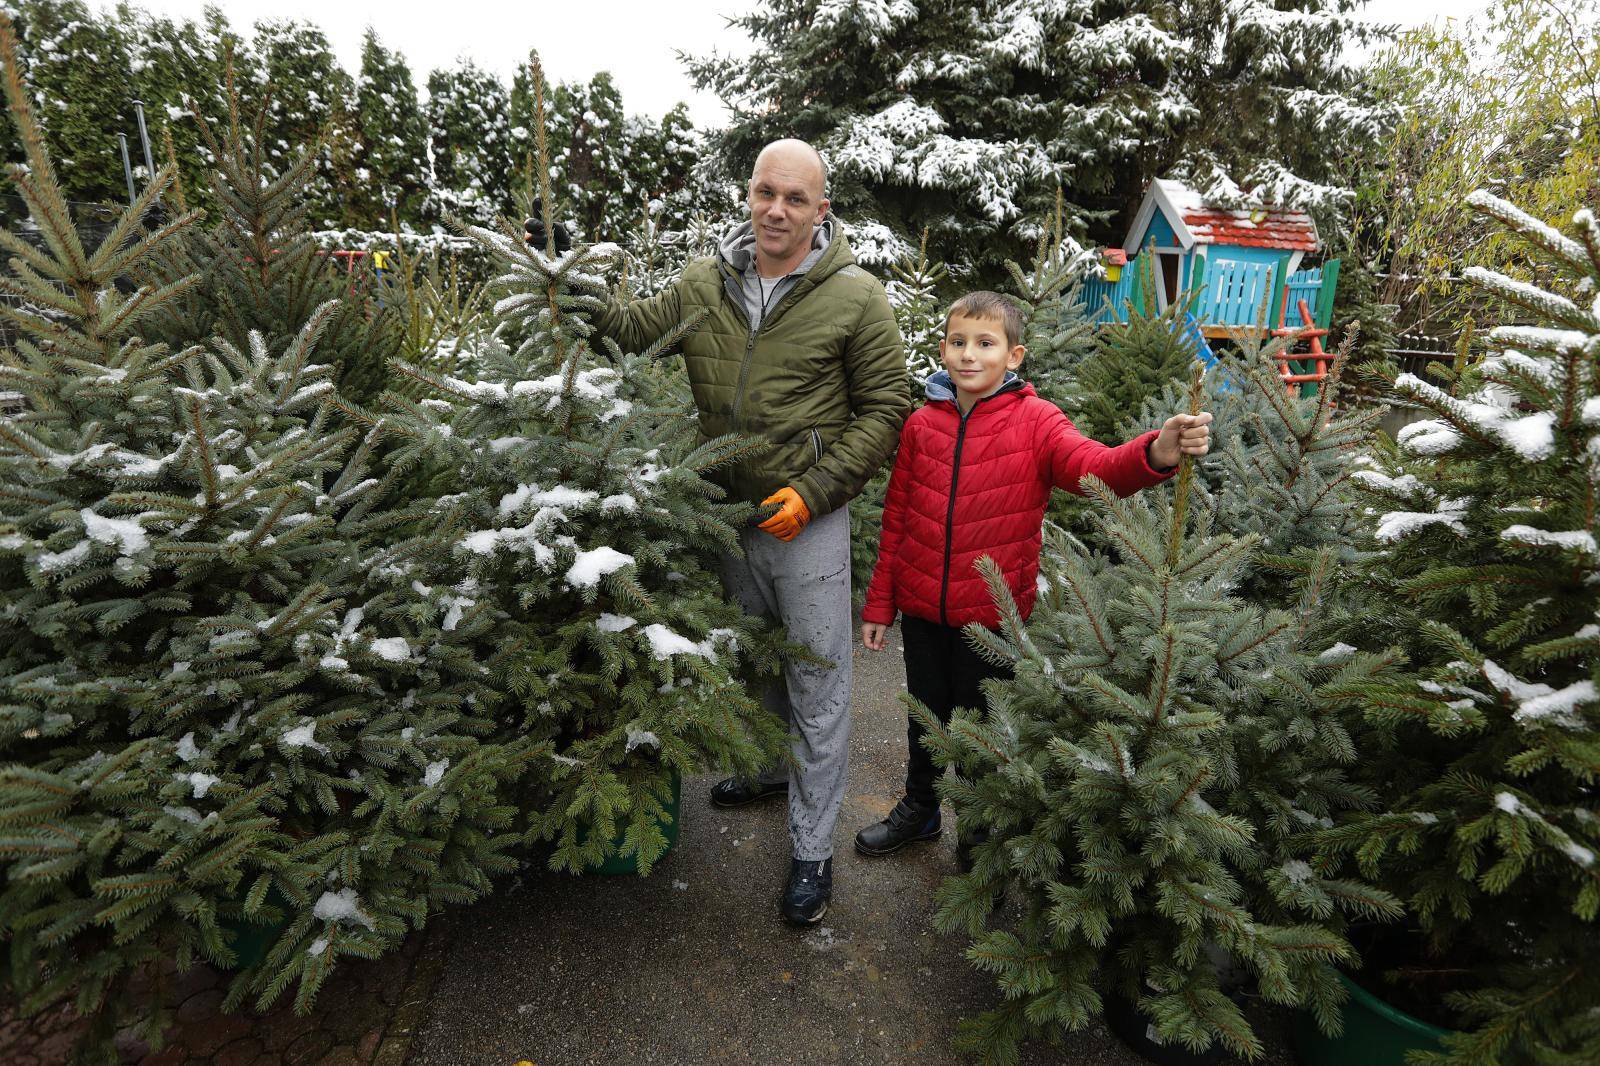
{"x": 1253, "y": 271}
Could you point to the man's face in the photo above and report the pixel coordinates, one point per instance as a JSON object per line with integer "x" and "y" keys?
{"x": 786, "y": 204}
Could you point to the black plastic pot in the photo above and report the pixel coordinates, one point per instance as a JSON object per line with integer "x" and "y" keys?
{"x": 1135, "y": 1030}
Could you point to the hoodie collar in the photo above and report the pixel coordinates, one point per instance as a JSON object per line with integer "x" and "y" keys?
{"x": 738, "y": 247}
{"x": 940, "y": 386}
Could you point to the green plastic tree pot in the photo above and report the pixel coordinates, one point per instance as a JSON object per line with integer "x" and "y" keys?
{"x": 253, "y": 939}
{"x": 619, "y": 864}
{"x": 1375, "y": 1034}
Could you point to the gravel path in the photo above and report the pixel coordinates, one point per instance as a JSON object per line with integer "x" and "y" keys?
{"x": 693, "y": 964}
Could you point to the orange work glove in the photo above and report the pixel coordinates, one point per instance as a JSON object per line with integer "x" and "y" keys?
{"x": 792, "y": 516}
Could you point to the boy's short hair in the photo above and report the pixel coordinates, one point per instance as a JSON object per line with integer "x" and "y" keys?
{"x": 986, "y": 304}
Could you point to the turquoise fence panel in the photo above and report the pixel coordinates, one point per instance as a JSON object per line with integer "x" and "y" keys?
{"x": 1097, "y": 292}
{"x": 1303, "y": 285}
{"x": 1235, "y": 293}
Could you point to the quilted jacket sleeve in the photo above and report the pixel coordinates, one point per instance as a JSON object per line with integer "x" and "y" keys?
{"x": 880, "y": 604}
{"x": 1068, "y": 455}
{"x": 641, "y": 323}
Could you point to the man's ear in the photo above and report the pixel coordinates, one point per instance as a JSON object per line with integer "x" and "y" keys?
{"x": 822, "y": 209}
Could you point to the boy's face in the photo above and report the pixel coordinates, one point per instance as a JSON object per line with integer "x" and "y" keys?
{"x": 977, "y": 355}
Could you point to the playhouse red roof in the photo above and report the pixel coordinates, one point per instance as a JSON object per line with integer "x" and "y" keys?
{"x": 1264, "y": 227}
{"x": 1198, "y": 220}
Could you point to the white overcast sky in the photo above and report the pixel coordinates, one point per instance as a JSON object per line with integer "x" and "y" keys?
{"x": 636, "y": 40}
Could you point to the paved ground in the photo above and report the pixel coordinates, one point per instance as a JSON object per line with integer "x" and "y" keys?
{"x": 693, "y": 965}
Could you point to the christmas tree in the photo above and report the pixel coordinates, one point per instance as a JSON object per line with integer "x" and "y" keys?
{"x": 1133, "y": 360}
{"x": 263, "y": 269}
{"x": 1149, "y": 781}
{"x": 208, "y": 716}
{"x": 580, "y": 521}
{"x": 1485, "y": 757}
{"x": 966, "y": 117}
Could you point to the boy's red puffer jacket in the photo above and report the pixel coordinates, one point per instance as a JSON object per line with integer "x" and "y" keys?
{"x": 963, "y": 488}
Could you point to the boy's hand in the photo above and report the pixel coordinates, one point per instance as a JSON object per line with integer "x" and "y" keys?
{"x": 872, "y": 635}
{"x": 1181, "y": 435}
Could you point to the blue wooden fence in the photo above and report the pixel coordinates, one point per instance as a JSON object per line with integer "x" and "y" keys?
{"x": 1232, "y": 293}
{"x": 1236, "y": 294}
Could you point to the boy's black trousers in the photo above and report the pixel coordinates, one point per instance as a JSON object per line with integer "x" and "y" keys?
{"x": 944, "y": 672}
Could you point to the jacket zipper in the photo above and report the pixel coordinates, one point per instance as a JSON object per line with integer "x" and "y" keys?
{"x": 750, "y": 345}
{"x": 816, "y": 443}
{"x": 950, "y": 513}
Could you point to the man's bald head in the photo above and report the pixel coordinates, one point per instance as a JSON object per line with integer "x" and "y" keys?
{"x": 795, "y": 157}
{"x": 788, "y": 201}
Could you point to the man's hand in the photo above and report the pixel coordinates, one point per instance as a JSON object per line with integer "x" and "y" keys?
{"x": 872, "y": 635}
{"x": 1181, "y": 435}
{"x": 534, "y": 235}
{"x": 792, "y": 516}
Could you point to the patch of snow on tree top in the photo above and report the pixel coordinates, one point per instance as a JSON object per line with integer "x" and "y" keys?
{"x": 614, "y": 623}
{"x": 1572, "y": 540}
{"x": 342, "y": 906}
{"x": 303, "y": 736}
{"x": 638, "y": 737}
{"x": 590, "y": 566}
{"x": 201, "y": 783}
{"x": 1338, "y": 653}
{"x": 394, "y": 649}
{"x": 435, "y": 773}
{"x": 1398, "y": 524}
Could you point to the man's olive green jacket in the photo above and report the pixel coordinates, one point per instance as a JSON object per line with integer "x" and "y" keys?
{"x": 823, "y": 379}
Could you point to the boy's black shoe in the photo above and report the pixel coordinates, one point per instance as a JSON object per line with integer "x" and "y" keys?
{"x": 906, "y": 824}
{"x": 806, "y": 896}
{"x": 732, "y": 792}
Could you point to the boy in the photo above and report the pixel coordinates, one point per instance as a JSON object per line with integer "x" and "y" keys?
{"x": 972, "y": 478}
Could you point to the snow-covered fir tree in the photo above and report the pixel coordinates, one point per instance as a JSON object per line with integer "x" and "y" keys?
{"x": 208, "y": 716}
{"x": 966, "y": 117}
{"x": 590, "y": 148}
{"x": 1155, "y": 703}
{"x": 1485, "y": 757}
{"x": 391, "y": 152}
{"x": 80, "y": 66}
{"x": 310, "y": 102}
{"x": 468, "y": 123}
{"x": 579, "y": 516}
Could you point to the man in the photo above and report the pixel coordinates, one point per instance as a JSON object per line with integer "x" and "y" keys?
{"x": 798, "y": 346}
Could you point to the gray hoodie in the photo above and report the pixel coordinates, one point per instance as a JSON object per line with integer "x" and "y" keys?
{"x": 760, "y": 294}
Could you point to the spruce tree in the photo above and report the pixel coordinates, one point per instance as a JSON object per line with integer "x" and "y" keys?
{"x": 473, "y": 161}
{"x": 391, "y": 154}
{"x": 309, "y": 102}
{"x": 579, "y": 517}
{"x": 1486, "y": 756}
{"x": 1150, "y": 781}
{"x": 209, "y": 717}
{"x": 264, "y": 271}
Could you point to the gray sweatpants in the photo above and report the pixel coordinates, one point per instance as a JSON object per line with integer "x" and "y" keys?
{"x": 805, "y": 584}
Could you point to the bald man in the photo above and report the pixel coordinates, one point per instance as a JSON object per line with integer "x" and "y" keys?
{"x": 798, "y": 346}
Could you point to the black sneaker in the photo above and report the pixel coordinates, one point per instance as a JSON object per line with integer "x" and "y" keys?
{"x": 908, "y": 823}
{"x": 806, "y": 896}
{"x": 733, "y": 792}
